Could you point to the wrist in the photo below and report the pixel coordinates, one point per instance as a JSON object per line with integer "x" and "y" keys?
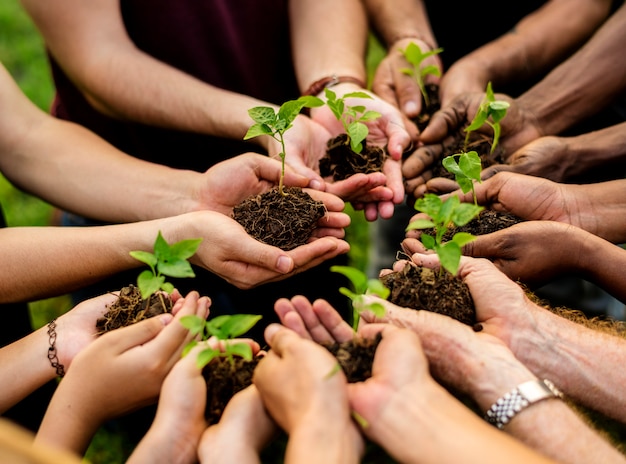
{"x": 328, "y": 82}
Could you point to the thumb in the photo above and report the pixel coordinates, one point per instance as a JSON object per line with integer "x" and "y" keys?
{"x": 138, "y": 333}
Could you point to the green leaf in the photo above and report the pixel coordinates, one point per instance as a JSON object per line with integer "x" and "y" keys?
{"x": 242, "y": 350}
{"x": 206, "y": 356}
{"x": 145, "y": 257}
{"x": 357, "y": 94}
{"x": 258, "y": 129}
{"x": 188, "y": 347}
{"x": 357, "y": 133}
{"x": 470, "y": 165}
{"x": 463, "y": 238}
{"x": 175, "y": 267}
{"x": 195, "y": 324}
{"x": 239, "y": 324}
{"x": 376, "y": 287}
{"x": 370, "y": 115}
{"x": 478, "y": 121}
{"x": 429, "y": 204}
{"x": 449, "y": 256}
{"x": 357, "y": 277}
{"x": 464, "y": 213}
{"x": 263, "y": 115}
{"x": 420, "y": 224}
{"x": 148, "y": 283}
{"x": 432, "y": 70}
{"x": 167, "y": 287}
{"x": 428, "y": 241}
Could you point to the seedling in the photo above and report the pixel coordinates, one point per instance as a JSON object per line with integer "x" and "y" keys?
{"x": 413, "y": 54}
{"x": 352, "y": 117}
{"x": 167, "y": 260}
{"x": 466, "y": 171}
{"x": 442, "y": 215}
{"x": 489, "y": 108}
{"x": 224, "y": 328}
{"x": 276, "y": 123}
{"x": 362, "y": 286}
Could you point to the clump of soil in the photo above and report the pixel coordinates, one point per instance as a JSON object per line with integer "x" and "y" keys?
{"x": 434, "y": 105}
{"x": 422, "y": 288}
{"x": 285, "y": 221}
{"x": 341, "y": 161}
{"x": 224, "y": 379}
{"x": 486, "y": 222}
{"x": 130, "y": 308}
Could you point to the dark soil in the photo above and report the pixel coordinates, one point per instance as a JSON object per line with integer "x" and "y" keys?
{"x": 434, "y": 105}
{"x": 422, "y": 288}
{"x": 130, "y": 308}
{"x": 341, "y": 162}
{"x": 224, "y": 379}
{"x": 285, "y": 221}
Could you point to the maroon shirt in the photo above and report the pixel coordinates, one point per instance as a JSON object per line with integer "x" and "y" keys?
{"x": 238, "y": 45}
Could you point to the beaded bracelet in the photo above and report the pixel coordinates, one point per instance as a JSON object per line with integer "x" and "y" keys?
{"x": 506, "y": 407}
{"x": 52, "y": 349}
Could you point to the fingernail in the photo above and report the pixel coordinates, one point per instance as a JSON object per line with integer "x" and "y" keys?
{"x": 315, "y": 185}
{"x": 410, "y": 108}
{"x": 284, "y": 264}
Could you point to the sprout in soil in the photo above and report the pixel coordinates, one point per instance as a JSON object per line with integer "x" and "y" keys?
{"x": 413, "y": 54}
{"x": 489, "y": 108}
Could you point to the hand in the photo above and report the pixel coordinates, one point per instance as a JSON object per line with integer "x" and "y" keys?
{"x": 307, "y": 397}
{"x": 118, "y": 373}
{"x": 518, "y": 127}
{"x": 318, "y": 321}
{"x": 549, "y": 157}
{"x": 465, "y": 76}
{"x": 179, "y": 422}
{"x": 398, "y": 88}
{"x": 533, "y": 252}
{"x": 229, "y": 182}
{"x": 246, "y": 423}
{"x": 230, "y": 252}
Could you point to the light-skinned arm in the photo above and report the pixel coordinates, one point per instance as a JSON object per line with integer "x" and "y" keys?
{"x": 120, "y": 372}
{"x": 307, "y": 397}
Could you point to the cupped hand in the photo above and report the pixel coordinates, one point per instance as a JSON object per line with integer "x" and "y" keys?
{"x": 244, "y": 422}
{"x": 317, "y": 321}
{"x": 548, "y": 157}
{"x": 398, "y": 88}
{"x": 229, "y": 182}
{"x": 230, "y": 252}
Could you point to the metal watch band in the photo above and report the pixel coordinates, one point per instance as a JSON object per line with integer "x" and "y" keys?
{"x": 506, "y": 407}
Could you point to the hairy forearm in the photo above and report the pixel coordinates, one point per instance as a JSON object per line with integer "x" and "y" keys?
{"x": 584, "y": 363}
{"x": 318, "y": 54}
{"x": 593, "y": 74}
{"x": 400, "y": 19}
{"x": 539, "y": 41}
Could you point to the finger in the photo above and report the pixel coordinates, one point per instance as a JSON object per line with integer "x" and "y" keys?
{"x": 137, "y": 334}
{"x": 332, "y": 321}
{"x": 290, "y": 317}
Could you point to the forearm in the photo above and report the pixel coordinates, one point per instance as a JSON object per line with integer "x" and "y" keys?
{"x": 600, "y": 208}
{"x": 67, "y": 424}
{"x": 539, "y": 41}
{"x": 433, "y": 427}
{"x": 400, "y": 19}
{"x": 318, "y": 54}
{"x": 584, "y": 363}
{"x": 549, "y": 426}
{"x": 593, "y": 74}
{"x": 25, "y": 367}
{"x": 597, "y": 148}
{"x": 87, "y": 176}
{"x": 341, "y": 442}
{"x": 40, "y": 262}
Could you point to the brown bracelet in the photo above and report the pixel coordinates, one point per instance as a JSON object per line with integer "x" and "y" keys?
{"x": 330, "y": 81}
{"x": 52, "y": 349}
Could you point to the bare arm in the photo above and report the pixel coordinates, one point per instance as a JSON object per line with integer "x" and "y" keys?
{"x": 92, "y": 46}
{"x": 583, "y": 84}
{"x": 538, "y": 42}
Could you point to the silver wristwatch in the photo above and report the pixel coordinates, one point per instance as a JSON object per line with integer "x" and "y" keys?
{"x": 522, "y": 396}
